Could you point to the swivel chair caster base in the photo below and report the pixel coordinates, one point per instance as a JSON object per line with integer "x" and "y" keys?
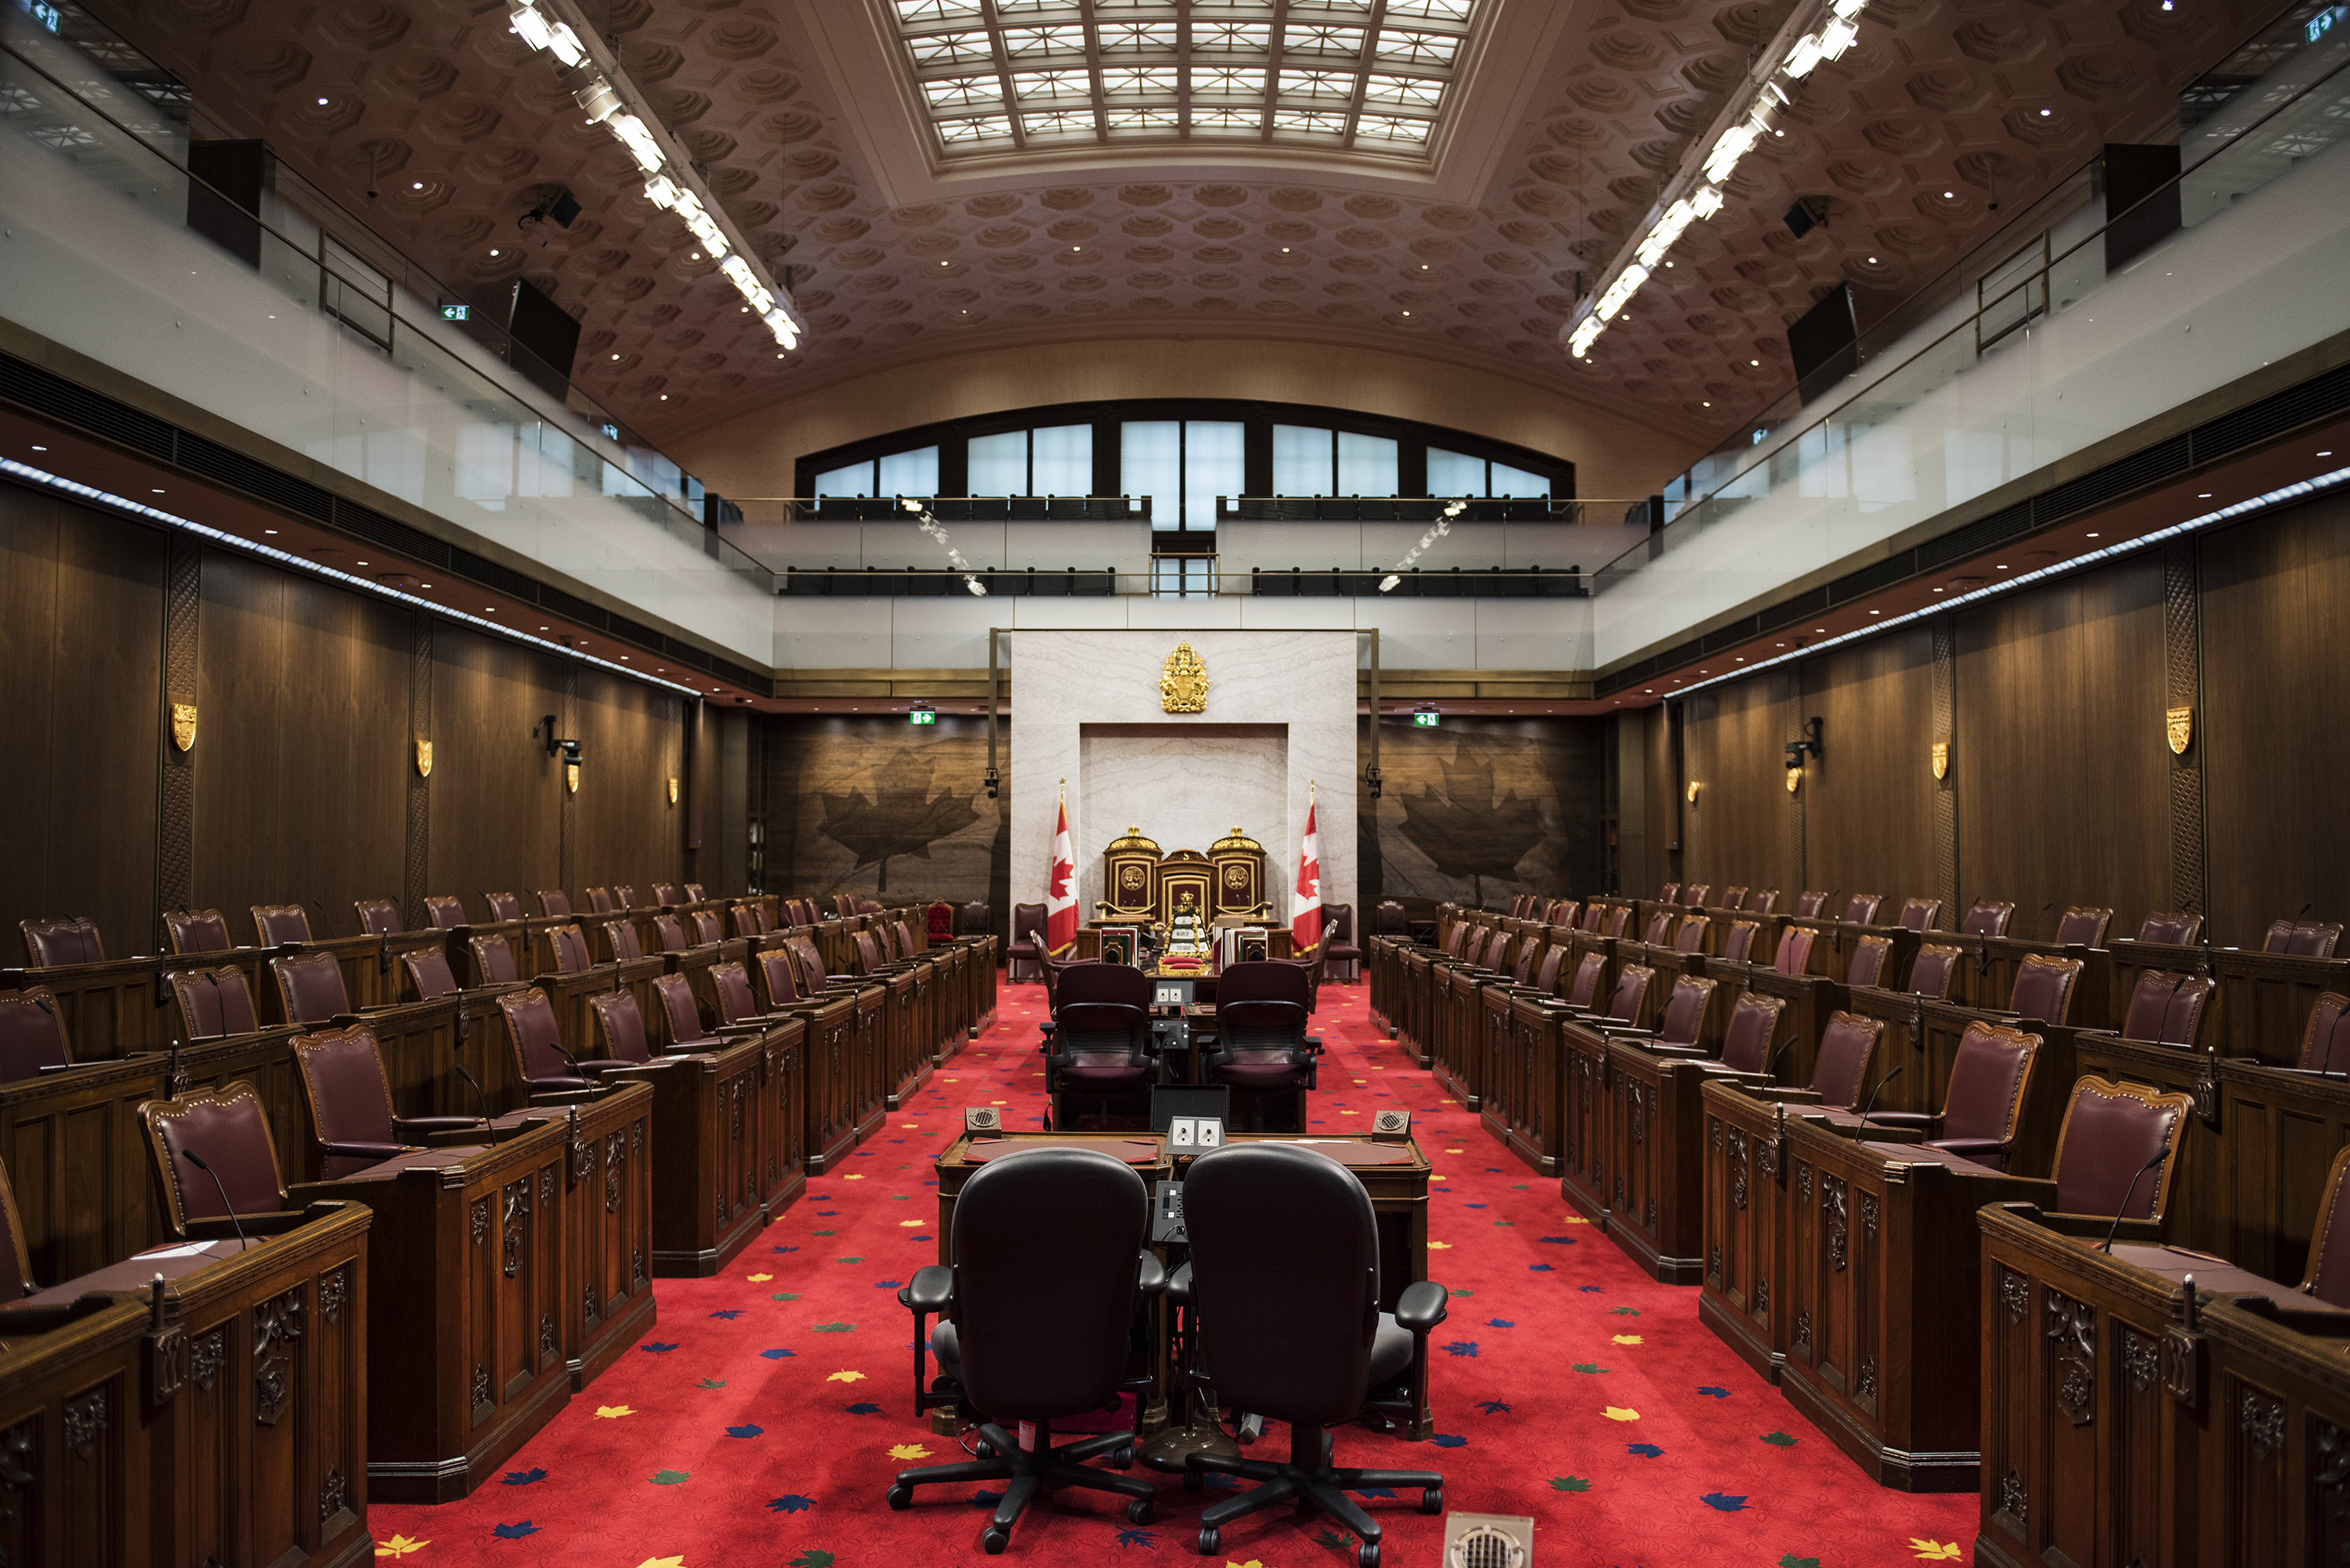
{"x": 1172, "y": 1448}
{"x": 1031, "y": 1472}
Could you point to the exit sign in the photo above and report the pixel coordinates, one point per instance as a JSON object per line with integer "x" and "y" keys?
{"x": 1427, "y": 721}
{"x": 456, "y": 312}
{"x": 923, "y": 716}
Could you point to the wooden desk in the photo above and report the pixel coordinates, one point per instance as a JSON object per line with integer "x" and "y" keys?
{"x": 2088, "y": 1457}
{"x": 1146, "y": 1152}
{"x": 1882, "y": 1289}
{"x": 830, "y": 1091}
{"x": 2263, "y": 1001}
{"x": 1653, "y": 1136}
{"x": 78, "y": 1157}
{"x": 1526, "y": 1107}
{"x": 1417, "y": 973}
{"x": 120, "y": 1007}
{"x": 2270, "y": 1478}
{"x": 1922, "y": 1037}
{"x": 1745, "y": 1242}
{"x": 235, "y": 1432}
{"x": 707, "y": 1118}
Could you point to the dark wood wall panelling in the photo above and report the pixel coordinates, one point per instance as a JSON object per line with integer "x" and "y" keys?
{"x": 2061, "y": 787}
{"x": 1667, "y": 822}
{"x": 302, "y": 785}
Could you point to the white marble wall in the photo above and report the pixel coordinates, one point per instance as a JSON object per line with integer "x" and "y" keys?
{"x": 1184, "y": 790}
{"x": 1301, "y": 680}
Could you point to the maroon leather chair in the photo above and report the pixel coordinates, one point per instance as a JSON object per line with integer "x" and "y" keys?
{"x": 505, "y": 906}
{"x": 777, "y": 981}
{"x": 682, "y": 1016}
{"x": 1763, "y": 901}
{"x": 1345, "y": 957}
{"x": 737, "y": 1009}
{"x": 2318, "y": 1040}
{"x": 1528, "y": 950}
{"x": 447, "y": 911}
{"x": 1738, "y": 947}
{"x": 228, "y": 1130}
{"x": 2082, "y": 927}
{"x": 1618, "y": 918}
{"x": 1630, "y": 997}
{"x": 1987, "y": 917}
{"x": 1682, "y": 1022}
{"x": 1583, "y": 992}
{"x": 1101, "y": 1058}
{"x": 1262, "y": 1051}
{"x": 2043, "y": 987}
{"x": 378, "y": 916}
{"x": 568, "y": 947}
{"x": 352, "y": 1117}
{"x": 1931, "y": 971}
{"x": 621, "y": 937}
{"x": 429, "y": 975}
{"x": 1919, "y": 914}
{"x": 2328, "y": 1275}
{"x": 939, "y": 922}
{"x": 1392, "y": 922}
{"x": 1746, "y": 1041}
{"x": 1840, "y": 1072}
{"x": 975, "y": 919}
{"x": 2179, "y": 929}
{"x": 1670, "y": 893}
{"x": 32, "y": 1034}
{"x": 1860, "y": 909}
{"x": 870, "y": 956}
{"x": 1659, "y": 930}
{"x": 2303, "y": 938}
{"x": 494, "y": 957}
{"x": 669, "y": 932}
{"x": 1733, "y": 897}
{"x": 1809, "y": 904}
{"x": 1985, "y": 1103}
{"x": 194, "y": 931}
{"x": 624, "y": 896}
{"x": 1456, "y": 938}
{"x": 621, "y": 1027}
{"x": 600, "y": 900}
{"x": 274, "y": 925}
{"x": 67, "y": 938}
{"x": 213, "y": 1003}
{"x": 747, "y": 920}
{"x": 2111, "y": 1130}
{"x": 666, "y": 894}
{"x": 1691, "y": 937}
{"x": 554, "y": 904}
{"x": 540, "y": 1058}
{"x": 708, "y": 927}
{"x": 310, "y": 988}
{"x": 2167, "y": 1009}
{"x": 1694, "y": 896}
{"x": 1473, "y": 947}
{"x": 694, "y": 893}
{"x": 1796, "y": 947}
{"x": 1868, "y": 964}
{"x": 1545, "y": 979}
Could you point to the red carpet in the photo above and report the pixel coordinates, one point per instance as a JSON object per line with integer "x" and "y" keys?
{"x": 761, "y": 1419}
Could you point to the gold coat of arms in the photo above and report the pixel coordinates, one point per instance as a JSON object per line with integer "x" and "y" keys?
{"x": 571, "y": 778}
{"x": 1183, "y": 683}
{"x": 2178, "y": 723}
{"x": 673, "y": 789}
{"x": 424, "y": 759}
{"x": 1941, "y": 760}
{"x": 183, "y": 725}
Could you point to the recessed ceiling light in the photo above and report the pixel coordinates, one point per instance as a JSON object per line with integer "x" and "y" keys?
{"x": 1949, "y": 195}
{"x": 1709, "y": 405}
{"x": 943, "y": 264}
{"x": 542, "y": 628}
{"x": 45, "y": 449}
{"x": 269, "y": 530}
{"x": 359, "y": 563}
{"x": 1754, "y": 361}
{"x": 1937, "y": 590}
{"x": 494, "y": 252}
{"x": 1407, "y": 313}
{"x": 1284, "y": 251}
{"x": 1872, "y": 260}
{"x": 2097, "y": 535}
{"x": 2204, "y": 496}
{"x": 664, "y": 397}
{"x": 322, "y": 103}
{"x": 159, "y": 493}
{"x": 1876, "y": 612}
{"x": 2046, "y": 112}
{"x": 2321, "y": 454}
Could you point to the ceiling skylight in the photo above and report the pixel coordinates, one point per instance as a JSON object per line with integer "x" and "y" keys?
{"x": 1370, "y": 74}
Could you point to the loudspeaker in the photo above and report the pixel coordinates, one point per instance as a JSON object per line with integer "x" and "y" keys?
{"x": 1391, "y": 1125}
{"x": 1487, "y": 1540}
{"x": 982, "y": 1119}
{"x": 1118, "y": 947}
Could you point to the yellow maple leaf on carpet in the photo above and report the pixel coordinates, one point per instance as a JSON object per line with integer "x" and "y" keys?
{"x": 860, "y": 1176}
{"x": 613, "y": 1412}
{"x": 1617, "y": 1413}
{"x": 912, "y": 1224}
{"x": 1439, "y": 1246}
{"x": 1252, "y": 1562}
{"x": 1350, "y": 1113}
{"x": 760, "y": 1279}
{"x": 1576, "y": 1220}
{"x": 676, "y": 1562}
{"x": 1932, "y": 1551}
{"x": 908, "y": 1451}
{"x": 398, "y": 1546}
{"x": 911, "y": 1127}
{"x": 1627, "y": 1339}
{"x": 846, "y": 1377}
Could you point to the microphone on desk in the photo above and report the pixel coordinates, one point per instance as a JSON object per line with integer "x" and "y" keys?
{"x": 488, "y": 1121}
{"x": 1889, "y": 1078}
{"x": 1772, "y": 1065}
{"x": 2160, "y": 1156}
{"x": 314, "y": 903}
{"x": 2162, "y": 1029}
{"x": 595, "y": 1086}
{"x": 2331, "y": 1035}
{"x": 192, "y": 1158}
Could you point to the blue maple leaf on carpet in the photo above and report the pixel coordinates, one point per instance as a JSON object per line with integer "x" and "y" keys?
{"x": 1723, "y": 1500}
{"x": 1592, "y": 1290}
{"x": 523, "y": 1478}
{"x": 985, "y": 1498}
{"x": 1137, "y": 1538}
{"x": 866, "y": 1408}
{"x": 745, "y": 1431}
{"x": 1646, "y": 1450}
{"x": 652, "y": 1349}
{"x": 826, "y": 1213}
{"x": 1461, "y": 1347}
{"x": 1493, "y": 1406}
{"x": 1539, "y": 1269}
{"x": 921, "y": 1237}
{"x": 1473, "y": 1206}
{"x": 930, "y": 1184}
{"x": 1499, "y": 1322}
{"x": 1447, "y": 1440}
{"x": 776, "y": 1355}
{"x": 787, "y": 1249}
{"x": 514, "y": 1531}
{"x": 1558, "y": 1241}
{"x": 1710, "y": 1392}
{"x": 1375, "y": 1491}
{"x": 729, "y": 1313}
{"x": 887, "y": 1284}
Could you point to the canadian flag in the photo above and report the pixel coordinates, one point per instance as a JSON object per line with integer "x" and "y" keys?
{"x": 1306, "y": 925}
{"x": 1060, "y": 888}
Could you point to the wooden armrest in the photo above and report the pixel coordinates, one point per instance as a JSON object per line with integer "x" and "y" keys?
{"x": 459, "y": 1138}
{"x": 24, "y": 1322}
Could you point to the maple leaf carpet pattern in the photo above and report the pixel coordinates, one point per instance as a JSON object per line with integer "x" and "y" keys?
{"x": 761, "y": 1420}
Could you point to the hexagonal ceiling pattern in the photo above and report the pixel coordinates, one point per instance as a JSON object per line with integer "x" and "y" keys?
{"x": 1942, "y": 107}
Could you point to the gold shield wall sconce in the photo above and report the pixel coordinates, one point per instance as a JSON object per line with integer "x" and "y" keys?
{"x": 673, "y": 789}
{"x": 424, "y": 759}
{"x": 2179, "y": 729}
{"x": 1940, "y": 761}
{"x": 183, "y": 726}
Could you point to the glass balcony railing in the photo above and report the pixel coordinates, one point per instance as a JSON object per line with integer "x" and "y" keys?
{"x": 295, "y": 336}
{"x": 2075, "y": 324}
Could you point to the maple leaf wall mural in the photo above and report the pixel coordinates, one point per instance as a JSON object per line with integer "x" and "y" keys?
{"x": 880, "y": 808}
{"x": 1479, "y": 810}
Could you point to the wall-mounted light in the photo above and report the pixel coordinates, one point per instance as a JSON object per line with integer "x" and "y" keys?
{"x": 1371, "y": 778}
{"x": 1797, "y": 748}
{"x": 993, "y": 780}
{"x": 572, "y": 755}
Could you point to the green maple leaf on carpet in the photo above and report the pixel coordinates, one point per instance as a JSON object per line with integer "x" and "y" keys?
{"x": 1517, "y": 1187}
{"x": 1628, "y": 1312}
{"x": 825, "y": 1232}
{"x": 834, "y": 1327}
{"x": 817, "y": 1557}
{"x": 1328, "y": 1537}
{"x": 1463, "y": 1292}
{"x": 1570, "y": 1483}
{"x": 1505, "y": 1222}
{"x": 671, "y": 1478}
{"x": 785, "y": 1296}
{"x": 1779, "y": 1439}
{"x": 848, "y": 1259}
{"x": 713, "y": 1383}
{"x": 1791, "y": 1561}
{"x": 1590, "y": 1367}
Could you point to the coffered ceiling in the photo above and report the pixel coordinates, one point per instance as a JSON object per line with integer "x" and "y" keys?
{"x": 809, "y": 121}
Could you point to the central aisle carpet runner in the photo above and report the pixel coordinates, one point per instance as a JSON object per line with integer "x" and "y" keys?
{"x": 761, "y": 1420}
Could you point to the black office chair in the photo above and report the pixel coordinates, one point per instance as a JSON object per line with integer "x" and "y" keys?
{"x": 1051, "y": 1249}
{"x": 1100, "y": 1051}
{"x": 1286, "y": 1289}
{"x": 1262, "y": 1051}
